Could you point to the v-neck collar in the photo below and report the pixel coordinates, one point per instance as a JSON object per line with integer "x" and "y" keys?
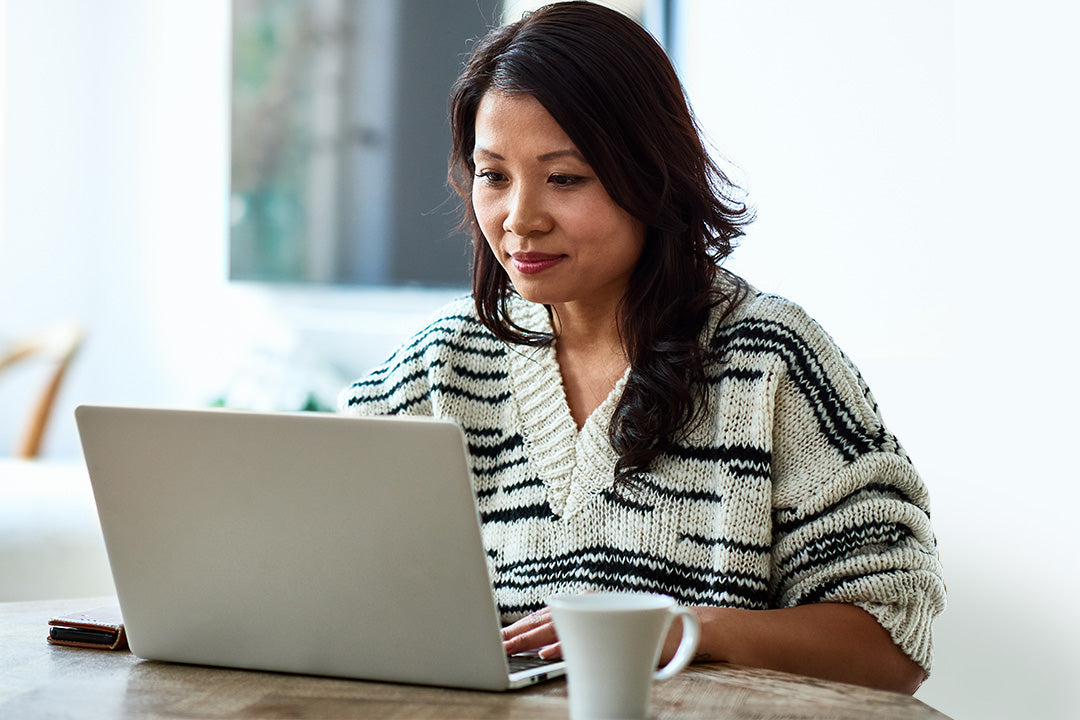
{"x": 573, "y": 464}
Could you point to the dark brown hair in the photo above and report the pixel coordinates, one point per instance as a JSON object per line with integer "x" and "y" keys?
{"x": 612, "y": 89}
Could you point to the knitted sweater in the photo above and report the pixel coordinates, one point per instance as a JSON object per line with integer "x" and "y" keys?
{"x": 792, "y": 493}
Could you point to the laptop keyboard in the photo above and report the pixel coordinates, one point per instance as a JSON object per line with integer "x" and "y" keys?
{"x": 527, "y": 662}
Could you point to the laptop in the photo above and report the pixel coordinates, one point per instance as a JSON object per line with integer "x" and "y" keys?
{"x": 298, "y": 542}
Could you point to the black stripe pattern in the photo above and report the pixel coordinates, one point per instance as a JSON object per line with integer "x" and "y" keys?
{"x": 792, "y": 492}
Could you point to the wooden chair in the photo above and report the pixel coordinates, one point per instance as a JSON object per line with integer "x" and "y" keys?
{"x": 56, "y": 347}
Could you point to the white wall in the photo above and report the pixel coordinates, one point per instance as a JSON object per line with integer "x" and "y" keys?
{"x": 912, "y": 164}
{"x": 913, "y": 167}
{"x": 106, "y": 221}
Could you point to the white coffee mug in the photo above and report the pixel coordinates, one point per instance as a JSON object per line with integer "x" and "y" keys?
{"x": 611, "y": 643}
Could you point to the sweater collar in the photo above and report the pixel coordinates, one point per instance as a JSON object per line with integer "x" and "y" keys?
{"x": 573, "y": 464}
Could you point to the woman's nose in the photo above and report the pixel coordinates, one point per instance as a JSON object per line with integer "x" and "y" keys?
{"x": 527, "y": 213}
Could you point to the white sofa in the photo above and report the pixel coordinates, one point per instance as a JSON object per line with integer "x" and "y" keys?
{"x": 50, "y": 539}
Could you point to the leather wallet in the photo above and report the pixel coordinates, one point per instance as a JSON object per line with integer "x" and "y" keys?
{"x": 101, "y": 628}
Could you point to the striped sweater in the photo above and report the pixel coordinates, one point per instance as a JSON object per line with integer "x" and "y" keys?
{"x": 792, "y": 493}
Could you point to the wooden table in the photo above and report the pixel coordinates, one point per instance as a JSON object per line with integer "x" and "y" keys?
{"x": 38, "y": 680}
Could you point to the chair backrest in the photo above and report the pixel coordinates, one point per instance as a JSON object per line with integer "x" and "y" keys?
{"x": 56, "y": 346}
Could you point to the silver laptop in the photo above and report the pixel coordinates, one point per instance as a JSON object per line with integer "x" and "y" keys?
{"x": 303, "y": 543}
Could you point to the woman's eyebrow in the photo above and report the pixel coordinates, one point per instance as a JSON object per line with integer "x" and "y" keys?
{"x": 487, "y": 153}
{"x": 553, "y": 155}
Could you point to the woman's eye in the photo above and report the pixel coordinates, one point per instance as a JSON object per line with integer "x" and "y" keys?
{"x": 491, "y": 177}
{"x": 564, "y": 180}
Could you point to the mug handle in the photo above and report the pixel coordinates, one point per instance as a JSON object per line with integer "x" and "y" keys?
{"x": 684, "y": 655}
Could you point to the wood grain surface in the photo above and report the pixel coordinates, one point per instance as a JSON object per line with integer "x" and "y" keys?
{"x": 38, "y": 680}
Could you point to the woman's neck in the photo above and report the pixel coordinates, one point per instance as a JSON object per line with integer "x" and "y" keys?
{"x": 586, "y": 324}
{"x": 591, "y": 358}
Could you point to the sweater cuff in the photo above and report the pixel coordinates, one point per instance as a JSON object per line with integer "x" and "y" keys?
{"x": 910, "y": 603}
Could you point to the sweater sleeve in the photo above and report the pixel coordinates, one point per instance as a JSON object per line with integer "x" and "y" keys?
{"x": 851, "y": 516}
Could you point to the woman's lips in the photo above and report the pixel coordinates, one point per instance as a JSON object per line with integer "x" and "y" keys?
{"x": 530, "y": 263}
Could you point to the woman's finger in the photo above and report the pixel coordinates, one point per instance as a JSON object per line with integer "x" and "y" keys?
{"x": 533, "y": 632}
{"x": 527, "y": 624}
{"x": 551, "y": 652}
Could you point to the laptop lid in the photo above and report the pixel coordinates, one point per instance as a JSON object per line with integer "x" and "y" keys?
{"x": 306, "y": 543}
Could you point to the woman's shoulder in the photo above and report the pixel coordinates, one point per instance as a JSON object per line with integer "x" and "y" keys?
{"x": 401, "y": 384}
{"x": 458, "y": 316}
{"x": 453, "y": 327}
{"x": 757, "y": 309}
{"x": 771, "y": 323}
{"x": 457, "y": 327}
{"x": 758, "y": 305}
{"x": 461, "y": 312}
{"x": 456, "y": 311}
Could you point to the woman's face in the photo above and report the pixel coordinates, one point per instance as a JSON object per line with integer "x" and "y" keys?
{"x": 545, "y": 214}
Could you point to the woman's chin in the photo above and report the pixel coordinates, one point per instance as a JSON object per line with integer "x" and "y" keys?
{"x": 535, "y": 293}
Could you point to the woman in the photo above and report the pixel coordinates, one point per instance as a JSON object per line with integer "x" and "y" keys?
{"x": 638, "y": 418}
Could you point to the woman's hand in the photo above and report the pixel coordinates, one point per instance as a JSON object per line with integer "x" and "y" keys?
{"x": 536, "y": 632}
{"x": 533, "y": 632}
